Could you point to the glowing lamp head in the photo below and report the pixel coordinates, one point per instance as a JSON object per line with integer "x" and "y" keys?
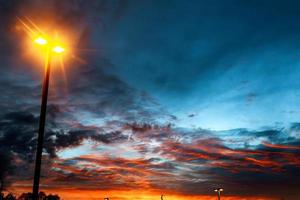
{"x": 40, "y": 41}
{"x": 58, "y": 49}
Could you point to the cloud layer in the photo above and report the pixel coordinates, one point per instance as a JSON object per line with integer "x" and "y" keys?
{"x": 154, "y": 157}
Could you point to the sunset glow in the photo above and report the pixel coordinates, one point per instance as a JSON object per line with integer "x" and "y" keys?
{"x": 77, "y": 194}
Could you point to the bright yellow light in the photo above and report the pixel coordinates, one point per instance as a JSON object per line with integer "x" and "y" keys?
{"x": 58, "y": 49}
{"x": 40, "y": 41}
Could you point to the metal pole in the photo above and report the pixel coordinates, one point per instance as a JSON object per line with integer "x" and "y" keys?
{"x": 219, "y": 194}
{"x": 39, "y": 151}
{"x": 1, "y": 189}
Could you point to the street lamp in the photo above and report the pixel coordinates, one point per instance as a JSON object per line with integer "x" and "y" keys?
{"x": 51, "y": 48}
{"x": 218, "y": 191}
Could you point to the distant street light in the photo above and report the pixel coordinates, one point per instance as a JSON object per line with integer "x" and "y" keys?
{"x": 218, "y": 191}
{"x": 51, "y": 48}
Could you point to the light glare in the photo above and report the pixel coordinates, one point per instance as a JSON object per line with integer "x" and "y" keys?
{"x": 58, "y": 49}
{"x": 40, "y": 41}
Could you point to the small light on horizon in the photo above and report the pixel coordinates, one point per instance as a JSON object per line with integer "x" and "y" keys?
{"x": 219, "y": 190}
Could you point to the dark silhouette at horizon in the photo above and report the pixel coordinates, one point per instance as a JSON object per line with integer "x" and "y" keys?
{"x": 29, "y": 196}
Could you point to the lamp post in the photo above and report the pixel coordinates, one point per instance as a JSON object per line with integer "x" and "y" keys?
{"x": 38, "y": 160}
{"x": 1, "y": 188}
{"x": 218, "y": 191}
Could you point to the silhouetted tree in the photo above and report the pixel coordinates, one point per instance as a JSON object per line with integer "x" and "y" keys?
{"x": 42, "y": 196}
{"x": 1, "y": 196}
{"x": 25, "y": 196}
{"x": 52, "y": 197}
{"x": 10, "y": 197}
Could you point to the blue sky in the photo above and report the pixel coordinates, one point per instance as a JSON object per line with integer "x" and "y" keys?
{"x": 229, "y": 64}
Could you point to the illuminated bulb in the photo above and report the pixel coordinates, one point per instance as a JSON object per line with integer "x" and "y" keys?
{"x": 58, "y": 49}
{"x": 40, "y": 41}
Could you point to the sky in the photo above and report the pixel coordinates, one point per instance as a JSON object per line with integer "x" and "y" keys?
{"x": 154, "y": 97}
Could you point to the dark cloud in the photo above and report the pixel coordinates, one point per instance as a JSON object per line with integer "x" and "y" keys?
{"x": 106, "y": 95}
{"x": 56, "y": 141}
{"x": 18, "y": 132}
{"x": 21, "y": 118}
